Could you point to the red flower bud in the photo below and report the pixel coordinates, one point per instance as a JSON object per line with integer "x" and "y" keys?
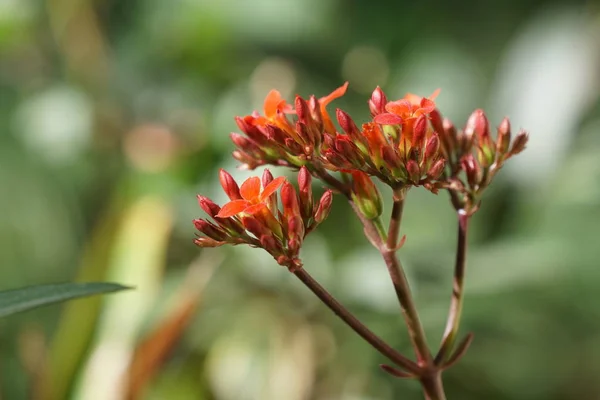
{"x": 230, "y": 187}
{"x": 436, "y": 169}
{"x": 289, "y": 199}
{"x": 324, "y": 206}
{"x": 305, "y": 192}
{"x": 436, "y": 121}
{"x": 472, "y": 170}
{"x": 208, "y": 206}
{"x": 295, "y": 228}
{"x": 210, "y": 230}
{"x": 267, "y": 177}
{"x": 503, "y": 140}
{"x": 432, "y": 147}
{"x": 419, "y": 131}
{"x": 315, "y": 109}
{"x": 377, "y": 102}
{"x": 302, "y": 111}
{"x": 414, "y": 172}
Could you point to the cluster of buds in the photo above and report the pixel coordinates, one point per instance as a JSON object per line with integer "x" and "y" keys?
{"x": 474, "y": 157}
{"x": 273, "y": 138}
{"x": 254, "y": 216}
{"x": 400, "y": 145}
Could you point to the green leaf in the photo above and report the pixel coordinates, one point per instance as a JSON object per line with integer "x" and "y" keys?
{"x": 27, "y": 298}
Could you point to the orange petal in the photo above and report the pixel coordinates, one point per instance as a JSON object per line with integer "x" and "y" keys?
{"x": 272, "y": 187}
{"x": 435, "y": 94}
{"x": 387, "y": 119}
{"x": 250, "y": 189}
{"x": 232, "y": 208}
{"x": 285, "y": 108}
{"x": 413, "y": 98}
{"x": 256, "y": 208}
{"x": 339, "y": 92}
{"x": 399, "y": 107}
{"x": 427, "y": 106}
{"x": 271, "y": 102}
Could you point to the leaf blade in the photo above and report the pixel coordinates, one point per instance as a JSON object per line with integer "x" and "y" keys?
{"x": 23, "y": 299}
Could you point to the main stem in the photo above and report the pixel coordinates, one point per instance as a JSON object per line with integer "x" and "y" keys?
{"x": 453, "y": 322}
{"x": 354, "y": 323}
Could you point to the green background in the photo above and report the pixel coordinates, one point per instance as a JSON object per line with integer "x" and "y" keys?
{"x": 115, "y": 114}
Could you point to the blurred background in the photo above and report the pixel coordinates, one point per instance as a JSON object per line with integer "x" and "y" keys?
{"x": 115, "y": 114}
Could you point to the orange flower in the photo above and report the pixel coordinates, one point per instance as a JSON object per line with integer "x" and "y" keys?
{"x": 253, "y": 198}
{"x": 408, "y": 108}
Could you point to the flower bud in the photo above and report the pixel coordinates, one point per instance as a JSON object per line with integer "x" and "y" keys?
{"x": 436, "y": 121}
{"x": 503, "y": 140}
{"x": 208, "y": 206}
{"x": 305, "y": 193}
{"x": 419, "y": 131}
{"x": 210, "y": 230}
{"x": 472, "y": 170}
{"x": 366, "y": 195}
{"x": 315, "y": 109}
{"x": 324, "y": 206}
{"x": 207, "y": 242}
{"x": 414, "y": 172}
{"x": 289, "y": 199}
{"x": 302, "y": 111}
{"x": 377, "y": 102}
{"x": 295, "y": 228}
{"x": 436, "y": 169}
{"x": 432, "y": 147}
{"x": 519, "y": 143}
{"x": 230, "y": 186}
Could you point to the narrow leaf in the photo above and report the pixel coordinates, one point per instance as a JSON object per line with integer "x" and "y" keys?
{"x": 27, "y": 298}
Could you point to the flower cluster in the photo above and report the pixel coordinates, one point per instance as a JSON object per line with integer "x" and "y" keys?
{"x": 274, "y": 139}
{"x": 406, "y": 143}
{"x": 254, "y": 216}
{"x": 474, "y": 157}
{"x": 399, "y": 146}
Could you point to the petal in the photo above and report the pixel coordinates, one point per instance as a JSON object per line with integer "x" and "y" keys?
{"x": 285, "y": 108}
{"x": 427, "y": 105}
{"x": 271, "y": 102}
{"x": 413, "y": 98}
{"x": 339, "y": 92}
{"x": 435, "y": 94}
{"x": 387, "y": 119}
{"x": 232, "y": 208}
{"x": 399, "y": 107}
{"x": 254, "y": 209}
{"x": 250, "y": 188}
{"x": 272, "y": 187}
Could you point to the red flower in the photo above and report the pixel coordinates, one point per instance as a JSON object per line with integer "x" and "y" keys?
{"x": 253, "y": 198}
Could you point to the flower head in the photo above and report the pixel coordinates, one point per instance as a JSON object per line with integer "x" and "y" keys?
{"x": 273, "y": 138}
{"x": 253, "y": 215}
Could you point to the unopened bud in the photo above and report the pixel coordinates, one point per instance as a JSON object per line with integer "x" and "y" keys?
{"x": 432, "y": 147}
{"x": 315, "y": 110}
{"x": 305, "y": 192}
{"x": 366, "y": 195}
{"x": 419, "y": 131}
{"x": 302, "y": 111}
{"x": 414, "y": 172}
{"x": 436, "y": 169}
{"x": 267, "y": 177}
{"x": 210, "y": 230}
{"x": 207, "y": 242}
{"x": 377, "y": 102}
{"x": 436, "y": 121}
{"x": 295, "y": 227}
{"x": 472, "y": 170}
{"x": 504, "y": 136}
{"x": 208, "y": 206}
{"x": 289, "y": 199}
{"x": 481, "y": 125}
{"x": 230, "y": 187}
{"x": 519, "y": 143}
{"x": 324, "y": 206}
